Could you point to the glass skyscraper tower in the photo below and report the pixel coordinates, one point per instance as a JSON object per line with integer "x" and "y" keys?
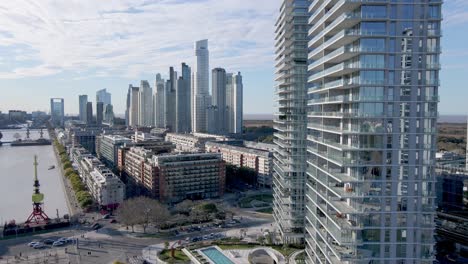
{"x": 290, "y": 120}
{"x": 373, "y": 70}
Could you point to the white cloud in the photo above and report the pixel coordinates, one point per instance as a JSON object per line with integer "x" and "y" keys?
{"x": 133, "y": 37}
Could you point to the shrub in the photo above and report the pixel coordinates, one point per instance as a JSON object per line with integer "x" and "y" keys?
{"x": 67, "y": 165}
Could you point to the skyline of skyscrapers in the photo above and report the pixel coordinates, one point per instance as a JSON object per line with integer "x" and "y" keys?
{"x": 175, "y": 102}
{"x": 357, "y": 87}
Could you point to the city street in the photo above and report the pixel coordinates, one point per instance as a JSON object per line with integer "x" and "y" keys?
{"x": 112, "y": 243}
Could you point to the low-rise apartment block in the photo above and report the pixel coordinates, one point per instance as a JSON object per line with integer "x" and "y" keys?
{"x": 188, "y": 142}
{"x": 105, "y": 187}
{"x": 175, "y": 177}
{"x": 238, "y": 154}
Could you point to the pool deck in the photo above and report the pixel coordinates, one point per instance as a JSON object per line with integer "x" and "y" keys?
{"x": 237, "y": 256}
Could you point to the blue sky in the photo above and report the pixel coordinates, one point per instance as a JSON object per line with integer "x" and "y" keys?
{"x": 66, "y": 48}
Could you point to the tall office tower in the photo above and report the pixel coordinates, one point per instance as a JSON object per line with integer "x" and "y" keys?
{"x": 229, "y": 102}
{"x": 218, "y": 92}
{"x": 99, "y": 113}
{"x": 202, "y": 99}
{"x": 290, "y": 120}
{"x": 83, "y": 100}
{"x": 109, "y": 115}
{"x": 145, "y": 104}
{"x": 171, "y": 102}
{"x": 238, "y": 103}
{"x": 159, "y": 102}
{"x": 57, "y": 111}
{"x": 103, "y": 96}
{"x": 373, "y": 85}
{"x": 89, "y": 113}
{"x": 184, "y": 104}
{"x": 133, "y": 105}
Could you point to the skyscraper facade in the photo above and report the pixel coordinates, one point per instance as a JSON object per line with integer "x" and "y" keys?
{"x": 159, "y": 102}
{"x": 99, "y": 113}
{"x": 373, "y": 82}
{"x": 218, "y": 87}
{"x": 109, "y": 115}
{"x": 145, "y": 104}
{"x": 89, "y": 113}
{"x": 372, "y": 122}
{"x": 237, "y": 104}
{"x": 171, "y": 102}
{"x": 202, "y": 98}
{"x": 290, "y": 120}
{"x": 83, "y": 100}
{"x": 133, "y": 105}
{"x": 183, "y": 101}
{"x": 57, "y": 111}
{"x": 103, "y": 96}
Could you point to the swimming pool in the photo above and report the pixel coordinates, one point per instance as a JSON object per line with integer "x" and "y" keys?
{"x": 216, "y": 256}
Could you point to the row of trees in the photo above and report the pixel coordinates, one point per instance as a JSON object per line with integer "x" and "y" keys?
{"x": 144, "y": 211}
{"x": 82, "y": 195}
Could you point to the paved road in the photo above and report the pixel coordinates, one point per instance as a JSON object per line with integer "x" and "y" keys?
{"x": 108, "y": 244}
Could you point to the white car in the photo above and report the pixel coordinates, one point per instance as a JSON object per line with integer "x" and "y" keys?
{"x": 58, "y": 244}
{"x": 39, "y": 246}
{"x": 33, "y": 243}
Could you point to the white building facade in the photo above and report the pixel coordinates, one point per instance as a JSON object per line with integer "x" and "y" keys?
{"x": 201, "y": 96}
{"x": 145, "y": 104}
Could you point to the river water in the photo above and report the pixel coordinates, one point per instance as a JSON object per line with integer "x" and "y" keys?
{"x": 16, "y": 179}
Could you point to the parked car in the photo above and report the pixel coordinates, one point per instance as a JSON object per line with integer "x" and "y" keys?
{"x": 63, "y": 239}
{"x": 33, "y": 243}
{"x": 106, "y": 216}
{"x": 48, "y": 241}
{"x": 58, "y": 244}
{"x": 96, "y": 226}
{"x": 113, "y": 221}
{"x": 39, "y": 246}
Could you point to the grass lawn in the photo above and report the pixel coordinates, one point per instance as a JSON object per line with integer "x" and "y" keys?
{"x": 245, "y": 202}
{"x": 285, "y": 251}
{"x": 268, "y": 210}
{"x": 178, "y": 255}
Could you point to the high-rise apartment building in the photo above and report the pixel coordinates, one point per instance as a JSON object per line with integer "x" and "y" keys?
{"x": 57, "y": 111}
{"x": 183, "y": 95}
{"x": 133, "y": 108}
{"x": 234, "y": 103}
{"x": 201, "y": 95}
{"x": 89, "y": 113}
{"x": 159, "y": 102}
{"x": 218, "y": 87}
{"x": 145, "y": 104}
{"x": 83, "y": 100}
{"x": 171, "y": 100}
{"x": 290, "y": 120}
{"x": 237, "y": 104}
{"x": 373, "y": 82}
